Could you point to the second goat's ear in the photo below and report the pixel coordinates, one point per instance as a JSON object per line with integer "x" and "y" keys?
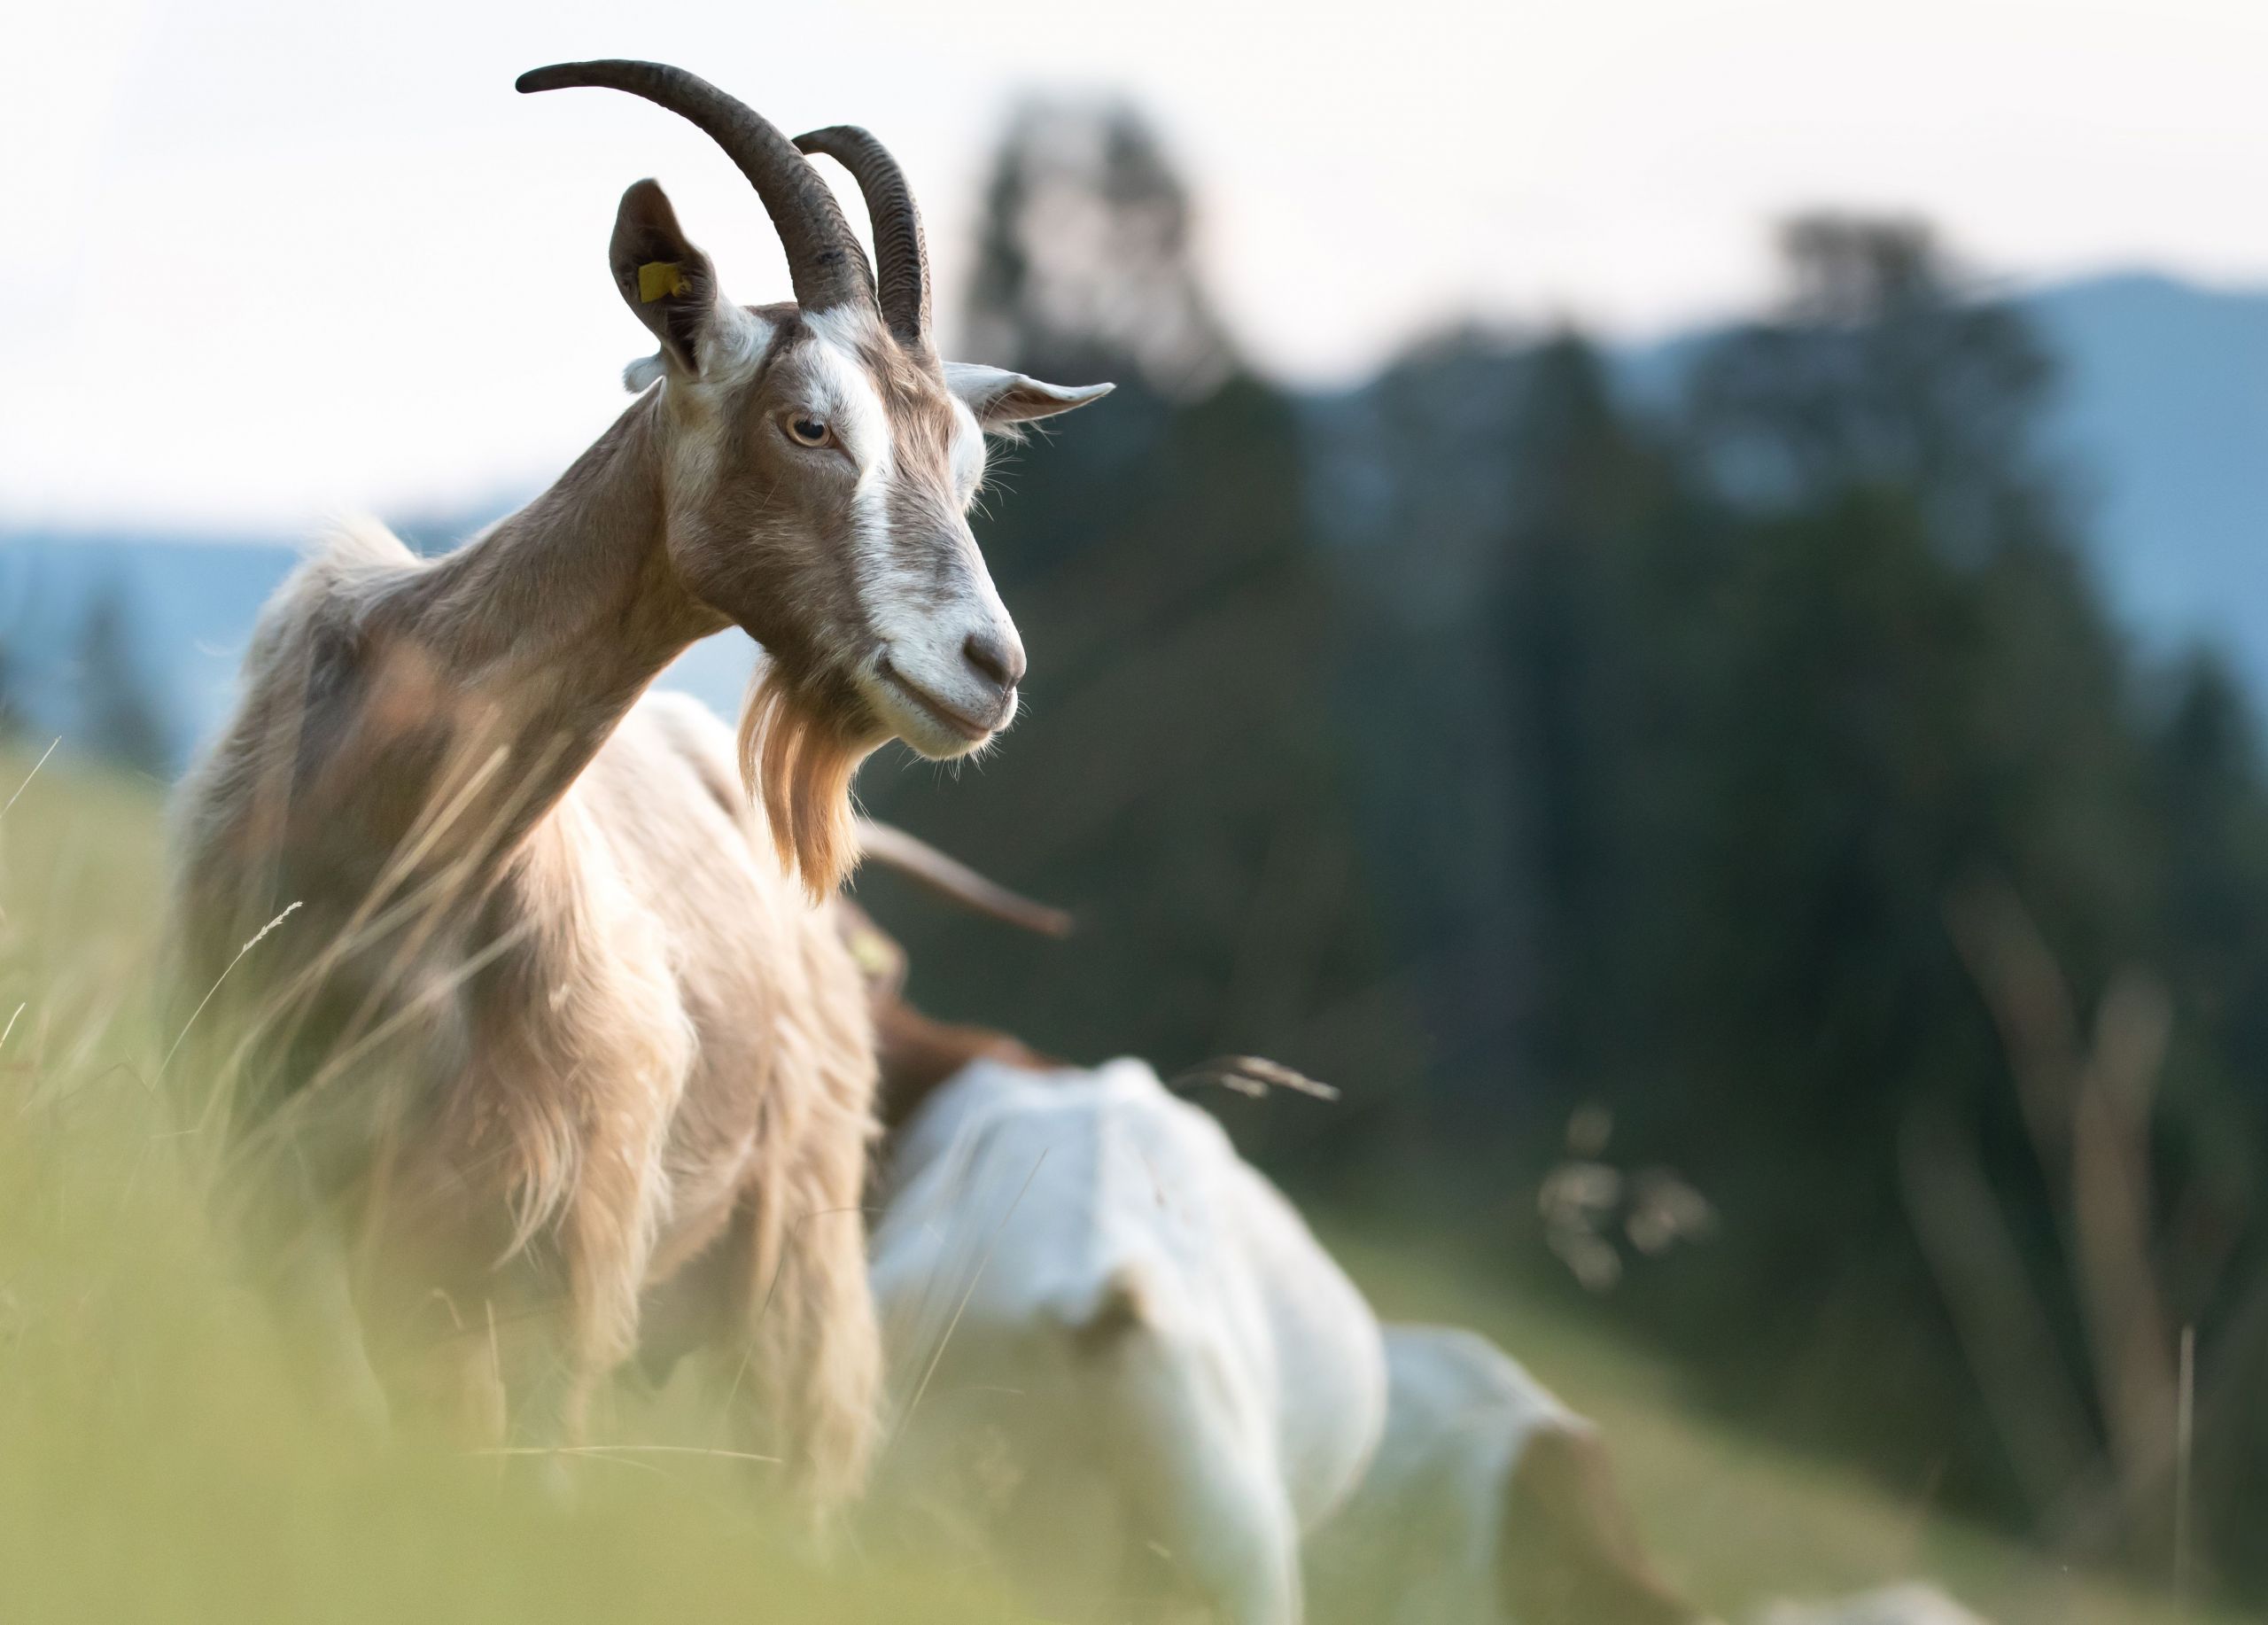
{"x": 1000, "y": 399}
{"x": 668, "y": 284}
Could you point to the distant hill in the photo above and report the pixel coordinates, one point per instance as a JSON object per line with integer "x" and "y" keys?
{"x": 2163, "y": 420}
{"x": 189, "y": 607}
{"x": 2165, "y": 413}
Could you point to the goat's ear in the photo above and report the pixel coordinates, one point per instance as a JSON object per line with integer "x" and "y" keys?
{"x": 668, "y": 284}
{"x": 1000, "y": 399}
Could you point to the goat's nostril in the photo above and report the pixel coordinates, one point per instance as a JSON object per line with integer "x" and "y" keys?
{"x": 996, "y": 656}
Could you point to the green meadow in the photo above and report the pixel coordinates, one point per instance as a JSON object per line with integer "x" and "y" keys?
{"x": 155, "y": 1464}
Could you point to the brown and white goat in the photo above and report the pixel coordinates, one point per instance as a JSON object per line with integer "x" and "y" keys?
{"x": 559, "y": 1017}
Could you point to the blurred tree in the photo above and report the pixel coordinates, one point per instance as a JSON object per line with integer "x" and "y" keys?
{"x": 1855, "y": 665}
{"x": 11, "y": 722}
{"x": 2212, "y": 816}
{"x": 1681, "y": 734}
{"x": 1881, "y": 369}
{"x": 1085, "y": 265}
{"x": 118, "y": 717}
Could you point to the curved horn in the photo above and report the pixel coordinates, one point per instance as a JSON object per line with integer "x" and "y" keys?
{"x": 901, "y": 253}
{"x": 823, "y": 257}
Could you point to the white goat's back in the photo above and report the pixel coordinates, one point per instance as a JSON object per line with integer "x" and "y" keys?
{"x": 1083, "y": 1284}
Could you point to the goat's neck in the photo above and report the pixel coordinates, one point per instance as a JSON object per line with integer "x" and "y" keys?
{"x": 539, "y": 637}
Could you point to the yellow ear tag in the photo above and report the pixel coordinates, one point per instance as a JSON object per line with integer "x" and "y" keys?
{"x": 658, "y": 279}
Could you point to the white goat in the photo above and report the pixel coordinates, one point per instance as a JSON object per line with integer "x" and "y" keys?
{"x": 1490, "y": 1503}
{"x": 1114, "y": 1346}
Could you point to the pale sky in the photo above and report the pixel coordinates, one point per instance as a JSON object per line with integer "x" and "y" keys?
{"x": 266, "y": 260}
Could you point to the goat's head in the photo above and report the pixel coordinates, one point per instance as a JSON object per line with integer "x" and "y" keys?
{"x": 820, "y": 461}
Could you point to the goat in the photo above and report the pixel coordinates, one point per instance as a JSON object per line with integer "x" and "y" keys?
{"x": 564, "y": 1015}
{"x": 1488, "y": 1503}
{"x": 1112, "y": 1340}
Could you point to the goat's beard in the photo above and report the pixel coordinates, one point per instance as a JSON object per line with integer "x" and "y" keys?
{"x": 797, "y": 756}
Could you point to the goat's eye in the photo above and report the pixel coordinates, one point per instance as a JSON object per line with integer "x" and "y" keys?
{"x": 806, "y": 430}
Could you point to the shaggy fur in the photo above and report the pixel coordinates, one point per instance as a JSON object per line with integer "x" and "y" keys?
{"x": 542, "y": 1037}
{"x": 553, "y": 1021}
{"x": 797, "y": 763}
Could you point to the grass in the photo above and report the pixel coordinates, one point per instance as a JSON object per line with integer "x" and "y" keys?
{"x": 155, "y": 1465}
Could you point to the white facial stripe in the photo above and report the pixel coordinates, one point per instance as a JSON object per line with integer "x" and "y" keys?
{"x": 854, "y": 405}
{"x": 853, "y": 408}
{"x": 924, "y": 606}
